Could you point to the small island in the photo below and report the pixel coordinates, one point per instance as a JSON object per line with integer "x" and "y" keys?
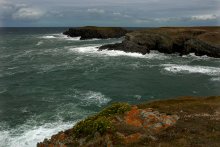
{"x": 91, "y": 32}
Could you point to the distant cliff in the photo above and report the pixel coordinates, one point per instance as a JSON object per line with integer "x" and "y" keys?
{"x": 91, "y": 32}
{"x": 186, "y": 121}
{"x": 182, "y": 40}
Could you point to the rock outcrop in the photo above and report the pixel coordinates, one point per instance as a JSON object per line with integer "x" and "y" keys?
{"x": 198, "y": 40}
{"x": 91, "y": 32}
{"x": 186, "y": 121}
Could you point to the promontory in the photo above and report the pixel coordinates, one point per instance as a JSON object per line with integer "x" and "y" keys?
{"x": 184, "y": 121}
{"x": 181, "y": 40}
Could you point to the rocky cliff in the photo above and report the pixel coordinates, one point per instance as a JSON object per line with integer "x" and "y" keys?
{"x": 198, "y": 40}
{"x": 91, "y": 32}
{"x": 186, "y": 121}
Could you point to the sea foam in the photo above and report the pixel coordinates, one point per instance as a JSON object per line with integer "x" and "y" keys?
{"x": 94, "y": 98}
{"x": 88, "y": 98}
{"x": 31, "y": 135}
{"x": 207, "y": 70}
{"x": 93, "y": 50}
{"x": 60, "y": 36}
{"x": 215, "y": 79}
{"x": 39, "y": 43}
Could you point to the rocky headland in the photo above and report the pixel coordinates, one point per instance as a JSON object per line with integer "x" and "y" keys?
{"x": 185, "y": 121}
{"x": 91, "y": 32}
{"x": 182, "y": 40}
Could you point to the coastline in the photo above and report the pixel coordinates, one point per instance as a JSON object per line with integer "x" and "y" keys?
{"x": 170, "y": 40}
{"x": 171, "y": 122}
{"x": 88, "y": 80}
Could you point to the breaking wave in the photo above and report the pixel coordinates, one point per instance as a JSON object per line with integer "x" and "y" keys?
{"x": 88, "y": 98}
{"x": 93, "y": 50}
{"x": 60, "y": 36}
{"x": 31, "y": 134}
{"x": 39, "y": 43}
{"x": 96, "y": 98}
{"x": 207, "y": 70}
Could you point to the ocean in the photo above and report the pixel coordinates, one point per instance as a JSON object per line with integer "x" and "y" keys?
{"x": 49, "y": 81}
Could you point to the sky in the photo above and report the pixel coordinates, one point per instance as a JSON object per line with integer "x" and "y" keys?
{"x": 125, "y": 13}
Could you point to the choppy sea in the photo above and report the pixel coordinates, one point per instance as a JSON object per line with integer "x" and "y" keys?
{"x": 49, "y": 81}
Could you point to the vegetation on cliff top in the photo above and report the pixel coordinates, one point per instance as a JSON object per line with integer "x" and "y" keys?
{"x": 163, "y": 123}
{"x": 101, "y": 122}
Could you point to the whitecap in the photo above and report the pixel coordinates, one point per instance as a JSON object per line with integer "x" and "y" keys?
{"x": 137, "y": 97}
{"x": 215, "y": 79}
{"x": 93, "y": 98}
{"x": 60, "y": 36}
{"x": 3, "y": 91}
{"x": 192, "y": 55}
{"x": 48, "y": 37}
{"x": 39, "y": 43}
{"x": 207, "y": 70}
{"x": 73, "y": 38}
{"x": 93, "y": 50}
{"x": 31, "y": 135}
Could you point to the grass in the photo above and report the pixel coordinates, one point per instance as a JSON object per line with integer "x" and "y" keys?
{"x": 101, "y": 122}
{"x": 192, "y": 129}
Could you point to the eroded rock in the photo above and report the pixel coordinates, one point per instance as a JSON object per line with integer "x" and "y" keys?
{"x": 149, "y": 119}
{"x": 91, "y": 32}
{"x": 198, "y": 40}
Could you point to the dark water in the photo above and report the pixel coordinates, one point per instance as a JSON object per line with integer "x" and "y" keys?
{"x": 49, "y": 81}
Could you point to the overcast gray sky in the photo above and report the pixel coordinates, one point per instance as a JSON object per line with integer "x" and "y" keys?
{"x": 128, "y": 13}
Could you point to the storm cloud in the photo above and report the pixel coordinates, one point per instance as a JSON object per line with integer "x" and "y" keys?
{"x": 134, "y": 13}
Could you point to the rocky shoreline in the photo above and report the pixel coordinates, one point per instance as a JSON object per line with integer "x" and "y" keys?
{"x": 185, "y": 121}
{"x": 91, "y": 32}
{"x": 182, "y": 40}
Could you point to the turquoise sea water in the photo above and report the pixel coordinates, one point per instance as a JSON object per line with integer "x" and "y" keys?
{"x": 49, "y": 81}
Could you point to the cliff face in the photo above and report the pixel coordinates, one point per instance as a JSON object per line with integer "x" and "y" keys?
{"x": 91, "y": 32}
{"x": 186, "y": 121}
{"x": 198, "y": 40}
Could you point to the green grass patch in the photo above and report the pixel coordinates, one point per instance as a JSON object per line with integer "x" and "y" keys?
{"x": 101, "y": 122}
{"x": 115, "y": 109}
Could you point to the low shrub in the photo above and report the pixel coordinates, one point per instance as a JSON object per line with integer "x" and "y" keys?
{"x": 101, "y": 122}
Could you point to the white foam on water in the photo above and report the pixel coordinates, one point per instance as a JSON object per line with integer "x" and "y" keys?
{"x": 39, "y": 43}
{"x": 93, "y": 50}
{"x": 48, "y": 37}
{"x": 60, "y": 36}
{"x": 207, "y": 70}
{"x": 73, "y": 38}
{"x": 4, "y": 90}
{"x": 193, "y": 56}
{"x": 94, "y": 98}
{"x": 215, "y": 79}
{"x": 31, "y": 135}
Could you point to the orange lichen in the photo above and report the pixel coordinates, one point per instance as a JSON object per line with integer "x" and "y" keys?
{"x": 149, "y": 119}
{"x": 132, "y": 117}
